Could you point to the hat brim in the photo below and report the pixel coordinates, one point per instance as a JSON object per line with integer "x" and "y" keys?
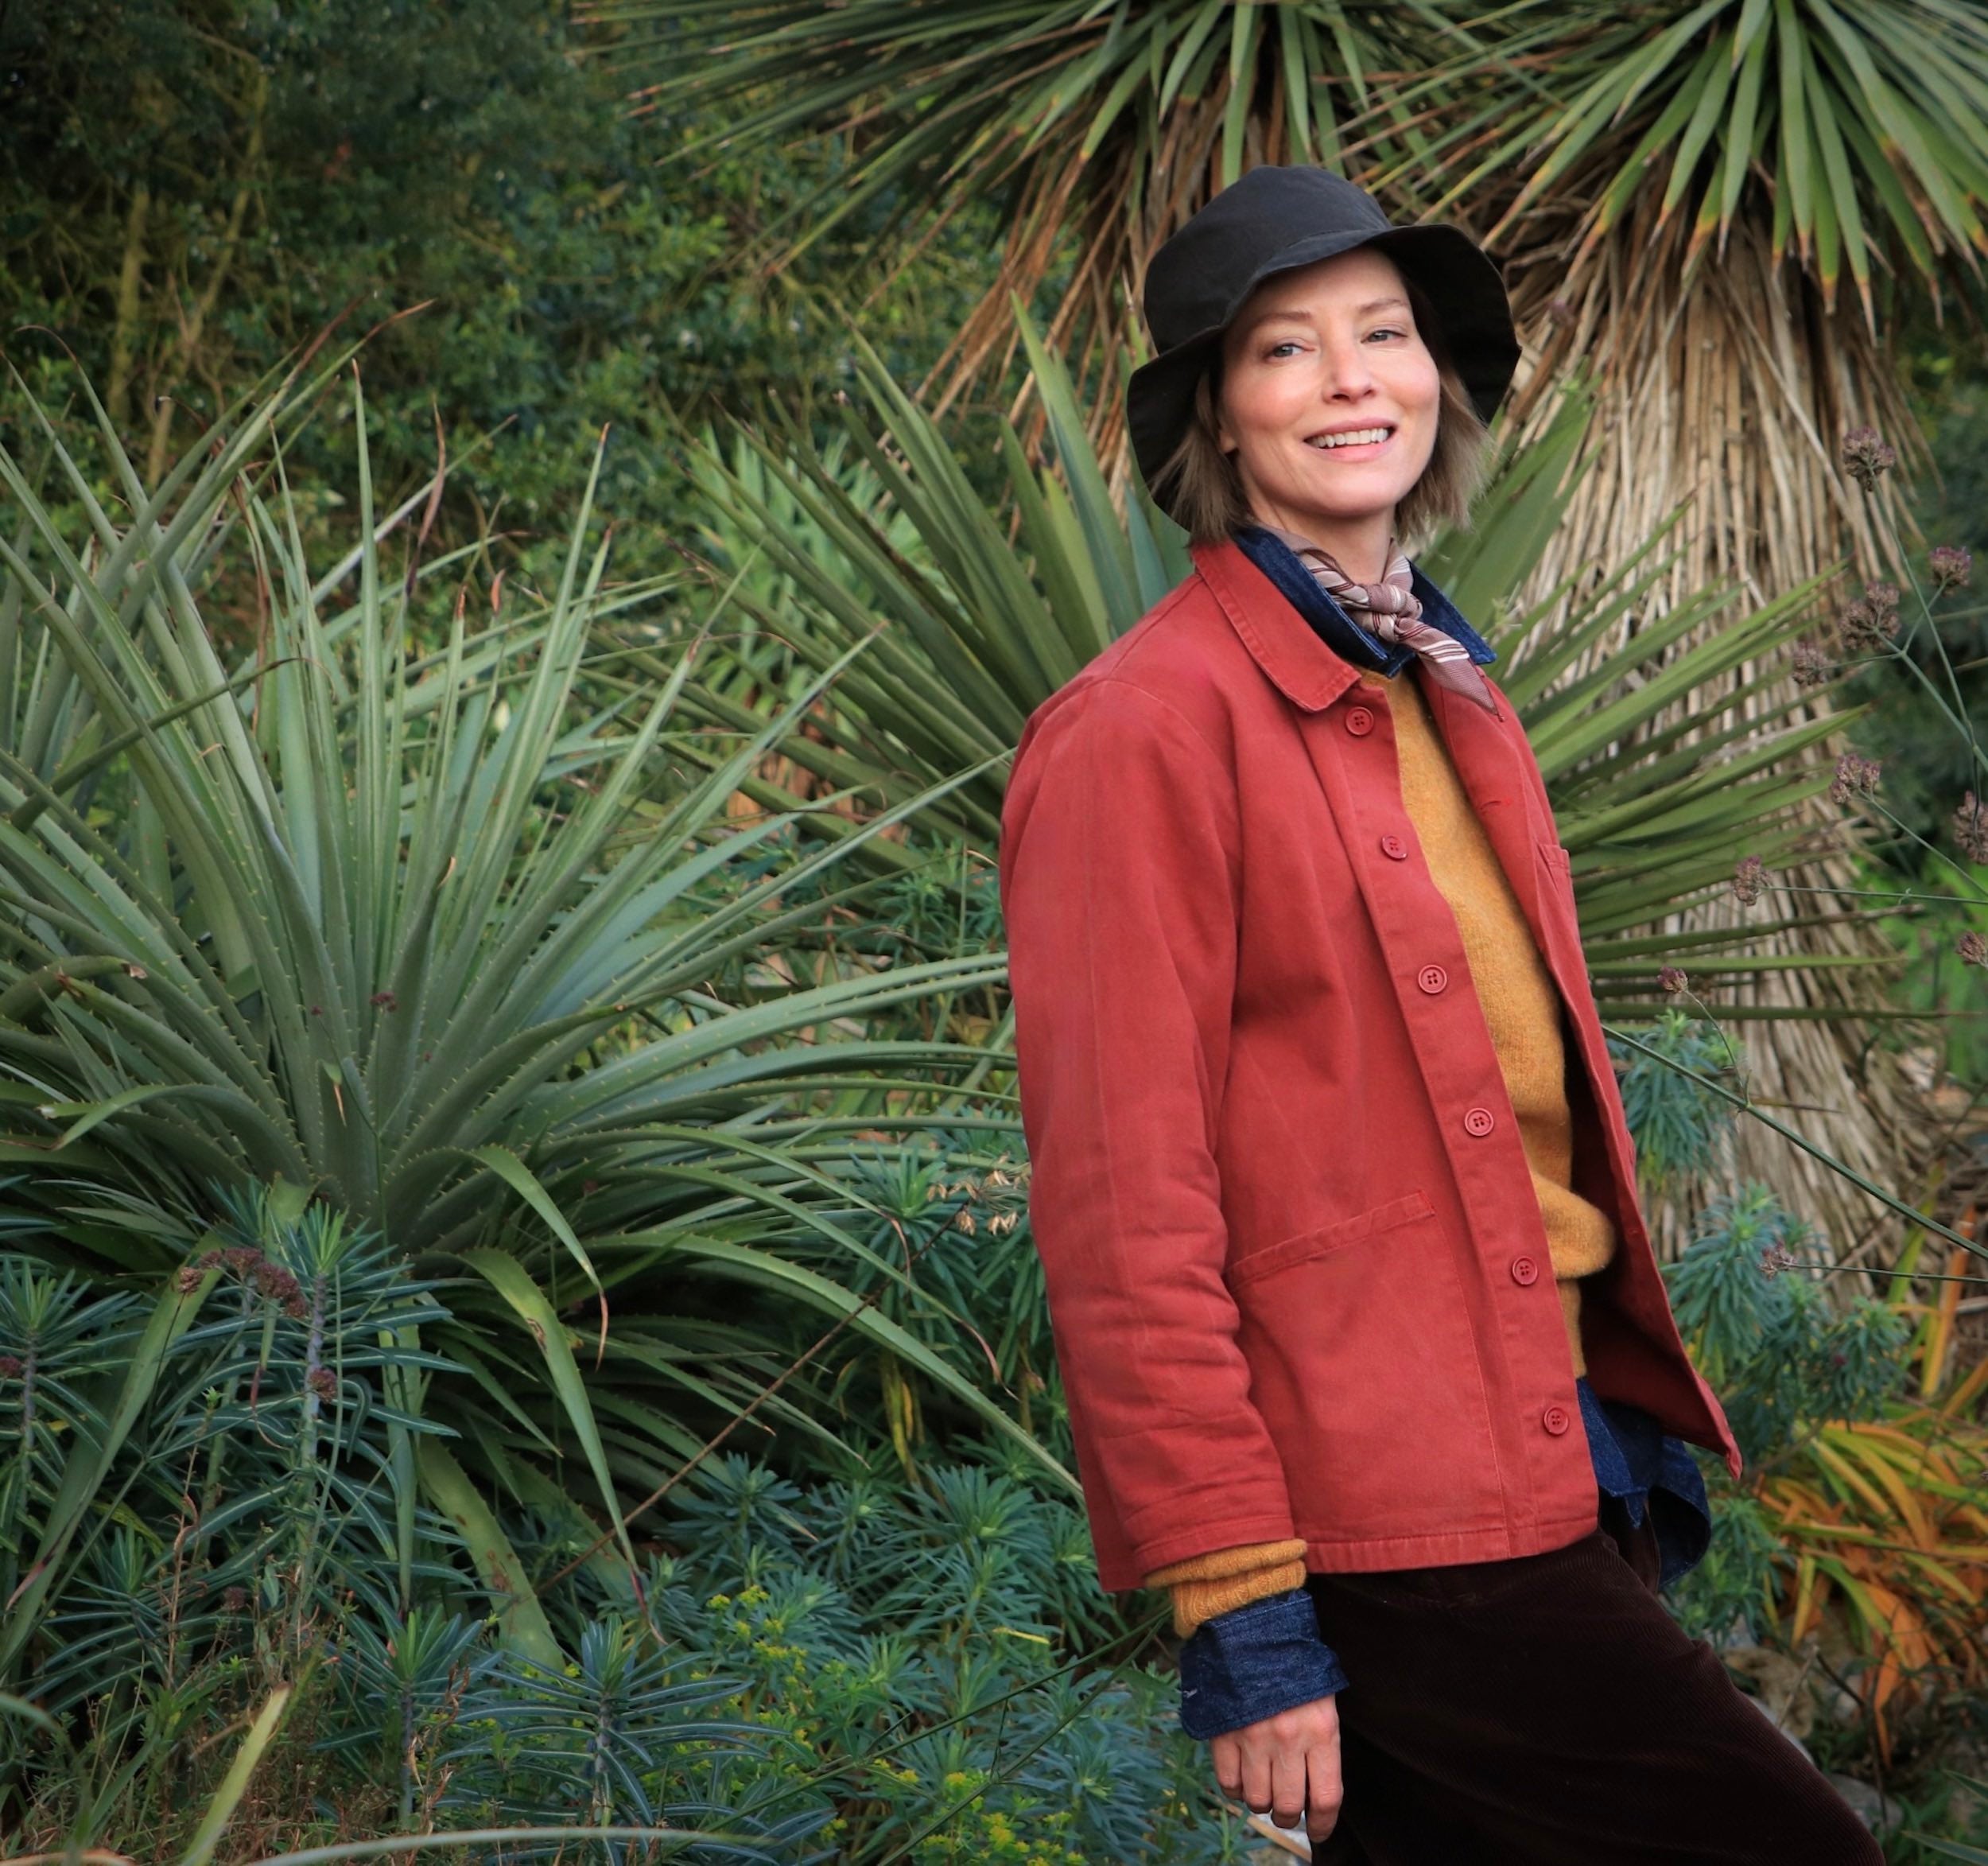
{"x": 1444, "y": 263}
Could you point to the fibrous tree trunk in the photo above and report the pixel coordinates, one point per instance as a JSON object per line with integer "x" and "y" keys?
{"x": 1724, "y": 389}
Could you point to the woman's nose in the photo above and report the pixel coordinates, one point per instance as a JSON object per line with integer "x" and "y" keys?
{"x": 1346, "y": 376}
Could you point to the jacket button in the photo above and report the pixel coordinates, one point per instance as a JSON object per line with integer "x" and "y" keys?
{"x": 1432, "y": 979}
{"x": 1359, "y": 722}
{"x": 1524, "y": 1270}
{"x": 1479, "y": 1121}
{"x": 1394, "y": 849}
{"x": 1555, "y": 1419}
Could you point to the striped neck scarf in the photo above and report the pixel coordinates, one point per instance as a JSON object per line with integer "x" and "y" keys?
{"x": 1391, "y": 611}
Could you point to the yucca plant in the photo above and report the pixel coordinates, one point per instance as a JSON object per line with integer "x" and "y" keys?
{"x": 1659, "y": 785}
{"x": 1843, "y": 134}
{"x": 417, "y": 933}
{"x": 1675, "y": 190}
{"x": 1100, "y": 124}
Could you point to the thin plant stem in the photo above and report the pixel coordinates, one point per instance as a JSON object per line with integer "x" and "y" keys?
{"x": 1808, "y": 1147}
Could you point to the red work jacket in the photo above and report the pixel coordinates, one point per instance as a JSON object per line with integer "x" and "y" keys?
{"x": 1297, "y": 1273}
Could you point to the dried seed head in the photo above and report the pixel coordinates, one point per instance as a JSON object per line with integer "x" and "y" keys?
{"x": 1812, "y": 666}
{"x": 1856, "y": 777}
{"x": 1672, "y": 980}
{"x": 234, "y": 1600}
{"x": 322, "y": 1381}
{"x": 1951, "y": 566}
{"x": 1869, "y": 456}
{"x": 1750, "y": 880}
{"x": 1775, "y": 1259}
{"x": 10, "y": 1367}
{"x": 384, "y": 1001}
{"x": 1970, "y": 827}
{"x": 275, "y": 1282}
{"x": 1973, "y": 948}
{"x": 187, "y": 1278}
{"x": 1873, "y": 620}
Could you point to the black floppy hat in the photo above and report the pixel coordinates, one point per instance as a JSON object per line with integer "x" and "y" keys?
{"x": 1272, "y": 220}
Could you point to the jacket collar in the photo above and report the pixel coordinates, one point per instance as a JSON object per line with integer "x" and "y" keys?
{"x": 1310, "y": 647}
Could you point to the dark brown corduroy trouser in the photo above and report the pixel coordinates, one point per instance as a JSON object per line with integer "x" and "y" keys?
{"x": 1547, "y": 1710}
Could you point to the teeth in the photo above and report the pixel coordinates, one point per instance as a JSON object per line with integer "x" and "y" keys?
{"x": 1356, "y": 437}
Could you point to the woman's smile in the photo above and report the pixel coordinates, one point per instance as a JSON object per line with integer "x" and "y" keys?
{"x": 1349, "y": 445}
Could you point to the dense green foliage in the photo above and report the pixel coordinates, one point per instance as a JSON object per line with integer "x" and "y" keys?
{"x": 191, "y": 191}
{"x": 517, "y": 1305}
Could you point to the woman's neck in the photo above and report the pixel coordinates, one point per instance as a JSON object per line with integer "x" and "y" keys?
{"x": 1359, "y": 546}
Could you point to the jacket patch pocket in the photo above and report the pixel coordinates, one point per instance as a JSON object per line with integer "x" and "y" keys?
{"x": 1359, "y": 1339}
{"x": 1332, "y": 1236}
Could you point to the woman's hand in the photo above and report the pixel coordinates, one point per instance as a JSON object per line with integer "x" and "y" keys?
{"x": 1286, "y": 1766}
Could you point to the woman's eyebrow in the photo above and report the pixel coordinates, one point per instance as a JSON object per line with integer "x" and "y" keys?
{"x": 1395, "y": 303}
{"x": 1264, "y": 317}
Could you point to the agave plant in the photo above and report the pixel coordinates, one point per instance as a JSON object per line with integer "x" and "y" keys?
{"x": 501, "y": 978}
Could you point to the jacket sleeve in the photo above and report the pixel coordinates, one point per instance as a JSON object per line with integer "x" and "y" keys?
{"x": 1120, "y": 878}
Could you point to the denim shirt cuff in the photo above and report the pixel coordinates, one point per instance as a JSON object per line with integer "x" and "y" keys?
{"x": 1253, "y": 1662}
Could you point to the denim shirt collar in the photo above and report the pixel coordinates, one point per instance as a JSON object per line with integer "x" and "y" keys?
{"x": 1335, "y": 627}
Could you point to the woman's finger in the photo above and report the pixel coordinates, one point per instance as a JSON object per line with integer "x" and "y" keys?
{"x": 1323, "y": 1791}
{"x": 1256, "y": 1778}
{"x": 1288, "y": 1787}
{"x": 1226, "y": 1753}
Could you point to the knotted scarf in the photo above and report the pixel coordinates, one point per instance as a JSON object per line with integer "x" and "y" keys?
{"x": 1390, "y": 611}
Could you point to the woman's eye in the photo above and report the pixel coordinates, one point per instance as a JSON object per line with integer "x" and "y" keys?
{"x": 1279, "y": 349}
{"x": 1387, "y": 330}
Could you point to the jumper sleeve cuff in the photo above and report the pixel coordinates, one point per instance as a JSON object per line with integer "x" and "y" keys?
{"x": 1205, "y": 1585}
{"x": 1253, "y": 1662}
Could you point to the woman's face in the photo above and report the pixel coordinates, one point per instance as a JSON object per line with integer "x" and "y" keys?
{"x": 1329, "y": 397}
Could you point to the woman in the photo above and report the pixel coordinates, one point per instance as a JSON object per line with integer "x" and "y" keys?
{"x": 1368, "y": 1356}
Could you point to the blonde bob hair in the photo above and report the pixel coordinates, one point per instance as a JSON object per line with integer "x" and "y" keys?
{"x": 1200, "y": 489}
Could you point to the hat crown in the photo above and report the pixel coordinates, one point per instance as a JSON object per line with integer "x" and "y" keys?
{"x": 1197, "y": 280}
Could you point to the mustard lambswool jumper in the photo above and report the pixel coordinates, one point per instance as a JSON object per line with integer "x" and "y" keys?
{"x": 1522, "y": 1008}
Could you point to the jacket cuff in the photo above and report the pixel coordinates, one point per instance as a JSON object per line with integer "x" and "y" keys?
{"x": 1241, "y": 1667}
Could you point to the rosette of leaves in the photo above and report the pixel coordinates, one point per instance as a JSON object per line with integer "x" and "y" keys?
{"x": 494, "y": 969}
